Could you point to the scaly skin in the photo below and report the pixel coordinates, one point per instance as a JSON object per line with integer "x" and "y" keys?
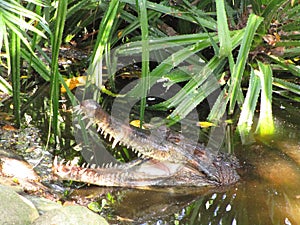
{"x": 168, "y": 163}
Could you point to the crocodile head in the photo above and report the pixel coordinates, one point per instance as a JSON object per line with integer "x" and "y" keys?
{"x": 163, "y": 163}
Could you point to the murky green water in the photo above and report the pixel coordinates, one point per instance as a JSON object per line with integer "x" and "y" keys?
{"x": 268, "y": 193}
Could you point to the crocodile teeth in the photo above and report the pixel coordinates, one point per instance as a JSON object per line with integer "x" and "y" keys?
{"x": 90, "y": 123}
{"x": 90, "y": 174}
{"x": 98, "y": 129}
{"x": 78, "y": 126}
{"x": 110, "y": 137}
{"x": 81, "y": 172}
{"x": 84, "y": 117}
{"x": 67, "y": 173}
{"x": 77, "y": 109}
{"x": 93, "y": 166}
{"x": 105, "y": 134}
{"x": 61, "y": 162}
{"x": 55, "y": 162}
{"x": 115, "y": 142}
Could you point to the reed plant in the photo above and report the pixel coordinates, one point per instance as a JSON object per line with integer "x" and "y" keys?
{"x": 251, "y": 47}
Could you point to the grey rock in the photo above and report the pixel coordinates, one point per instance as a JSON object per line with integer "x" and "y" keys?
{"x": 15, "y": 209}
{"x": 43, "y": 205}
{"x": 70, "y": 215}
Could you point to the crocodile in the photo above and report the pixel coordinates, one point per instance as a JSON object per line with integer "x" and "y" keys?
{"x": 175, "y": 161}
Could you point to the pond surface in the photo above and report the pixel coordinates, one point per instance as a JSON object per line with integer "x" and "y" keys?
{"x": 268, "y": 192}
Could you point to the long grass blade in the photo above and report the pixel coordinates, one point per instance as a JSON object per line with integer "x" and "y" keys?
{"x": 9, "y": 8}
{"x": 295, "y": 88}
{"x": 170, "y": 62}
{"x": 205, "y": 20}
{"x": 37, "y": 64}
{"x": 56, "y": 40}
{"x": 15, "y": 74}
{"x": 294, "y": 69}
{"x": 105, "y": 29}
{"x": 142, "y": 9}
{"x": 271, "y": 9}
{"x": 265, "y": 124}
{"x": 193, "y": 98}
{"x": 238, "y": 70}
{"x": 203, "y": 74}
{"x": 4, "y": 85}
{"x": 219, "y": 107}
{"x": 249, "y": 106}
{"x": 223, "y": 30}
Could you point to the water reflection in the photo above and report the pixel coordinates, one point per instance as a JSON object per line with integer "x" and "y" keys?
{"x": 269, "y": 192}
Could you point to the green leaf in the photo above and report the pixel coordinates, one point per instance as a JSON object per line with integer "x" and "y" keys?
{"x": 193, "y": 97}
{"x": 249, "y": 106}
{"x": 265, "y": 124}
{"x": 15, "y": 56}
{"x": 295, "y": 88}
{"x": 205, "y": 20}
{"x": 170, "y": 62}
{"x": 95, "y": 68}
{"x": 223, "y": 30}
{"x": 5, "y": 87}
{"x": 239, "y": 67}
{"x": 203, "y": 74}
{"x": 142, "y": 9}
{"x": 271, "y": 9}
{"x": 295, "y": 70}
{"x": 4, "y": 38}
{"x": 9, "y": 8}
{"x": 56, "y": 40}
{"x": 219, "y": 107}
{"x": 37, "y": 64}
{"x": 95, "y": 207}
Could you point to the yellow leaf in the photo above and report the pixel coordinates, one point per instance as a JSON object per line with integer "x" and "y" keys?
{"x": 136, "y": 123}
{"x": 73, "y": 83}
{"x": 205, "y": 124}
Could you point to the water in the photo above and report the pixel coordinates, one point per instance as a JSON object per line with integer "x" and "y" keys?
{"x": 268, "y": 193}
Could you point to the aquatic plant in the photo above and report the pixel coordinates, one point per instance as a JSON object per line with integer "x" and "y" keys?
{"x": 250, "y": 47}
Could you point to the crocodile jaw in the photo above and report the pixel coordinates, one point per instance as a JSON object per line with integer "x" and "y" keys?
{"x": 181, "y": 163}
{"x": 140, "y": 173}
